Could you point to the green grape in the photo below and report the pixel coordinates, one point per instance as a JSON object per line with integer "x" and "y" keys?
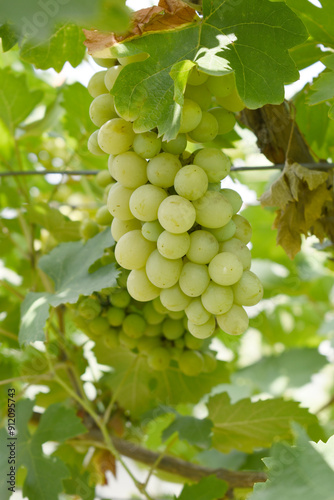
{"x": 159, "y": 359}
{"x": 103, "y": 178}
{"x": 221, "y": 86}
{"x": 201, "y": 332}
{"x": 206, "y": 130}
{"x": 235, "y": 321}
{"x": 212, "y": 210}
{"x": 175, "y": 352}
{"x": 120, "y": 298}
{"x": 153, "y": 330}
{"x": 225, "y": 269}
{"x": 196, "y": 312}
{"x": 146, "y": 345}
{"x": 122, "y": 277}
{"x": 232, "y": 102}
{"x": 191, "y": 363}
{"x": 120, "y": 227}
{"x": 152, "y": 230}
{"x": 111, "y": 75}
{"x": 176, "y": 214}
{"x": 110, "y": 339}
{"x": 93, "y": 145}
{"x": 172, "y": 328}
{"x": 161, "y": 170}
{"x": 173, "y": 246}
{"x": 115, "y": 316}
{"x": 124, "y": 61}
{"x": 192, "y": 342}
{"x": 128, "y": 342}
{"x": 203, "y": 247}
{"x": 129, "y": 169}
{"x": 116, "y": 136}
{"x": 238, "y": 248}
{"x": 96, "y": 84}
{"x": 191, "y": 182}
{"x": 105, "y": 62}
{"x": 99, "y": 326}
{"x": 118, "y": 201}
{"x": 179, "y": 343}
{"x": 217, "y": 299}
{"x": 223, "y": 233}
{"x": 234, "y": 198}
{"x": 132, "y": 250}
{"x": 225, "y": 119}
{"x": 161, "y": 309}
{"x": 177, "y": 314}
{"x": 243, "y": 228}
{"x": 210, "y": 362}
{"x": 147, "y": 144}
{"x": 214, "y": 162}
{"x": 89, "y": 308}
{"x": 106, "y": 192}
{"x": 201, "y": 95}
{"x": 102, "y": 109}
{"x": 151, "y": 316}
{"x": 134, "y": 325}
{"x": 140, "y": 287}
{"x": 248, "y": 291}
{"x": 162, "y": 272}
{"x": 88, "y": 229}
{"x": 175, "y": 146}
{"x": 194, "y": 279}
{"x": 196, "y": 77}
{"x": 103, "y": 217}
{"x": 191, "y": 115}
{"x": 145, "y": 202}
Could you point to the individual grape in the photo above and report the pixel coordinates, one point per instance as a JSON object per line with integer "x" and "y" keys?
{"x": 177, "y": 314}
{"x": 161, "y": 170}
{"x": 116, "y": 136}
{"x": 110, "y": 339}
{"x": 203, "y": 247}
{"x": 175, "y": 146}
{"x": 243, "y": 228}
{"x": 175, "y": 352}
{"x": 146, "y": 345}
{"x": 201, "y": 95}
{"x": 120, "y": 227}
{"x": 223, "y": 233}
{"x": 248, "y": 291}
{"x": 217, "y": 299}
{"x": 105, "y": 62}
{"x": 145, "y": 202}
{"x": 225, "y": 269}
{"x": 225, "y": 119}
{"x": 221, "y": 86}
{"x": 115, "y": 316}
{"x": 103, "y": 178}
{"x": 192, "y": 342}
{"x": 99, "y": 326}
{"x": 159, "y": 359}
{"x": 103, "y": 217}
{"x": 238, "y": 248}
{"x": 214, "y": 162}
{"x": 102, "y": 109}
{"x": 124, "y": 61}
{"x": 151, "y": 316}
{"x": 152, "y": 230}
{"x": 96, "y": 84}
{"x": 118, "y": 201}
{"x": 196, "y": 77}
{"x": 140, "y": 287}
{"x": 163, "y": 272}
{"x": 134, "y": 326}
{"x": 127, "y": 342}
{"x": 196, "y": 312}
{"x": 173, "y": 299}
{"x": 203, "y": 331}
{"x": 235, "y": 321}
{"x": 232, "y": 102}
{"x": 194, "y": 279}
{"x": 206, "y": 130}
{"x": 172, "y": 328}
{"x": 173, "y": 246}
{"x": 93, "y": 145}
{"x": 212, "y": 210}
{"x": 234, "y": 198}
{"x": 157, "y": 304}
{"x": 129, "y": 169}
{"x": 191, "y": 182}
{"x": 210, "y": 362}
{"x": 133, "y": 250}
{"x": 179, "y": 343}
{"x": 191, "y": 363}
{"x": 176, "y": 214}
{"x": 191, "y": 115}
{"x": 147, "y": 144}
{"x": 120, "y": 298}
{"x": 153, "y": 330}
{"x": 111, "y": 76}
{"x": 88, "y": 229}
{"x": 89, "y": 308}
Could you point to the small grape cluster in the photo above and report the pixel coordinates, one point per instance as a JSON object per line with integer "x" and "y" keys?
{"x": 176, "y": 229}
{"x": 115, "y": 319}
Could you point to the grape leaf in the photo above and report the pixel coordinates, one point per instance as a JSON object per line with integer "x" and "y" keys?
{"x": 8, "y": 37}
{"x": 208, "y": 488}
{"x": 246, "y": 425}
{"x": 323, "y": 88}
{"x": 191, "y": 429}
{"x": 76, "y": 102}
{"x": 299, "y": 472}
{"x": 61, "y": 227}
{"x": 306, "y": 54}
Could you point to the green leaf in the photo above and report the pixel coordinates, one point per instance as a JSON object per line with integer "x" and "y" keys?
{"x": 8, "y": 37}
{"x": 208, "y": 488}
{"x": 16, "y": 99}
{"x": 76, "y": 103}
{"x": 191, "y": 429}
{"x": 306, "y": 54}
{"x": 257, "y": 52}
{"x": 60, "y": 226}
{"x": 246, "y": 425}
{"x": 34, "y": 314}
{"x": 298, "y": 472}
{"x": 65, "y": 44}
{"x": 324, "y": 86}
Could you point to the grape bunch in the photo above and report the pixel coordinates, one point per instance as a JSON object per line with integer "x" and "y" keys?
{"x": 113, "y": 318}
{"x": 177, "y": 229}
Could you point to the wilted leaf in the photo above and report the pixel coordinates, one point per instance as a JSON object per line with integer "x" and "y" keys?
{"x": 103, "y": 461}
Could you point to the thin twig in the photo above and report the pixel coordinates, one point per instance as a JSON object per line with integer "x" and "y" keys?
{"x": 8, "y": 334}
{"x": 11, "y": 289}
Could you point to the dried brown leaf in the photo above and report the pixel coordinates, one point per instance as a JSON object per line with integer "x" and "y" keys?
{"x": 287, "y": 235}
{"x": 103, "y": 461}
{"x": 313, "y": 178}
{"x": 279, "y": 194}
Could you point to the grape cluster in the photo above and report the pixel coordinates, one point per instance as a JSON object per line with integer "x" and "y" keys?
{"x": 177, "y": 230}
{"x": 114, "y": 319}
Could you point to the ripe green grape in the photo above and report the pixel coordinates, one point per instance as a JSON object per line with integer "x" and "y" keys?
{"x": 89, "y": 308}
{"x": 238, "y": 248}
{"x": 111, "y": 76}
{"x": 133, "y": 250}
{"x": 124, "y": 61}
{"x": 88, "y": 229}
{"x": 103, "y": 217}
{"x": 217, "y": 299}
{"x": 175, "y": 146}
{"x": 147, "y": 344}
{"x": 99, "y": 326}
{"x": 191, "y": 342}
{"x": 203, "y": 331}
{"x": 232, "y": 102}
{"x": 223, "y": 233}
{"x": 118, "y": 201}
{"x": 191, "y": 182}
{"x": 173, "y": 246}
{"x": 225, "y": 119}
{"x": 201, "y": 95}
{"x": 177, "y": 314}
{"x": 196, "y": 312}
{"x": 214, "y": 162}
{"x": 191, "y": 115}
{"x": 194, "y": 279}
{"x": 163, "y": 272}
{"x": 206, "y": 130}
{"x": 120, "y": 298}
{"x": 221, "y": 86}
{"x": 103, "y": 178}
{"x": 129, "y": 169}
{"x": 115, "y": 316}
{"x": 191, "y": 363}
{"x": 152, "y": 230}
{"x": 93, "y": 145}
{"x": 125, "y": 341}
{"x": 134, "y": 326}
{"x": 234, "y": 198}
{"x": 102, "y": 109}
{"x": 248, "y": 291}
{"x": 203, "y": 247}
{"x": 196, "y": 77}
{"x": 151, "y": 316}
{"x": 116, "y": 136}
{"x": 172, "y": 328}
{"x": 145, "y": 202}
{"x": 225, "y": 269}
{"x": 147, "y": 144}
{"x": 153, "y": 330}
{"x": 176, "y": 214}
{"x": 157, "y": 304}
{"x": 161, "y": 170}
{"x": 212, "y": 210}
{"x": 140, "y": 287}
{"x": 159, "y": 359}
{"x": 173, "y": 299}
{"x": 110, "y": 339}
{"x": 243, "y": 228}
{"x": 120, "y": 227}
{"x": 96, "y": 84}
{"x": 105, "y": 62}
{"x": 235, "y": 321}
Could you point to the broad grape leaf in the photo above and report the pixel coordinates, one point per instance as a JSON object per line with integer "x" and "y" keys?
{"x": 76, "y": 102}
{"x": 306, "y": 54}
{"x": 60, "y": 226}
{"x": 299, "y": 472}
{"x": 324, "y": 86}
{"x": 194, "y": 430}
{"x": 8, "y": 37}
{"x": 245, "y": 425}
{"x": 256, "y": 49}
{"x": 208, "y": 488}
